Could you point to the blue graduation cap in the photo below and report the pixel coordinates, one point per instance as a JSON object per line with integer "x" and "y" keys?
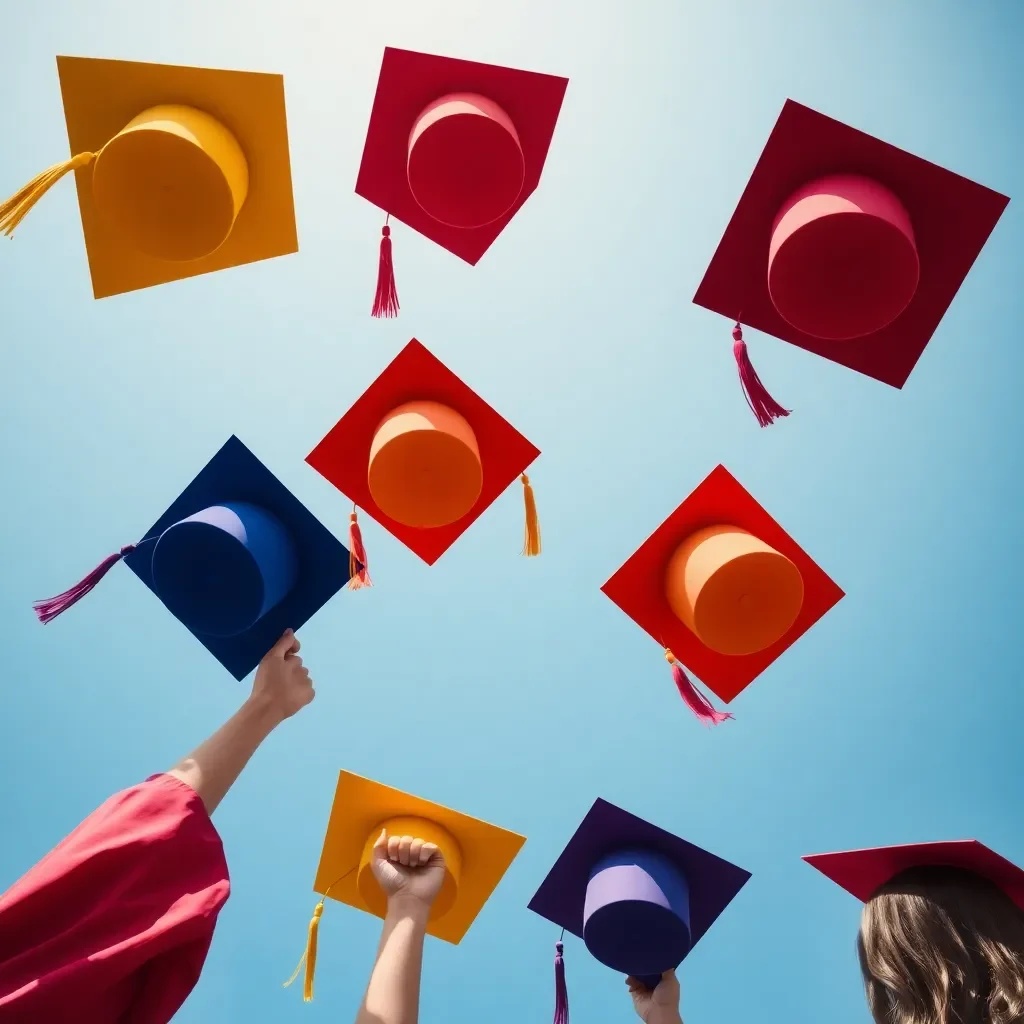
{"x": 237, "y": 559}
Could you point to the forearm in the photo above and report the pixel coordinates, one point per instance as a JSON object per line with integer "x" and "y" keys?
{"x": 212, "y": 768}
{"x": 393, "y": 994}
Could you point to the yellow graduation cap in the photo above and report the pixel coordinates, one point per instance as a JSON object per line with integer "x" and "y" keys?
{"x": 180, "y": 171}
{"x": 476, "y": 856}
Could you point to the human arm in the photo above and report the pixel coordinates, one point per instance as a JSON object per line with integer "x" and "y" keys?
{"x": 659, "y": 1005}
{"x": 282, "y": 686}
{"x": 411, "y": 873}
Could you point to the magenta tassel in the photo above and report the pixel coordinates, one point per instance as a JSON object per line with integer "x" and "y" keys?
{"x": 561, "y": 992}
{"x": 695, "y": 700}
{"x": 385, "y": 301}
{"x": 52, "y": 607}
{"x": 762, "y": 405}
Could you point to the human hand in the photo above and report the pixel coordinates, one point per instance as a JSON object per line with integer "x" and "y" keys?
{"x": 659, "y": 1005}
{"x": 407, "y": 869}
{"x": 282, "y": 685}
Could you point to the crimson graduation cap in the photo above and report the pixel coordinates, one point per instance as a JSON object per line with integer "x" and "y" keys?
{"x": 454, "y": 149}
{"x": 847, "y": 247}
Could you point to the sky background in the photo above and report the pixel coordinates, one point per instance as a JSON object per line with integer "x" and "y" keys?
{"x": 512, "y": 689}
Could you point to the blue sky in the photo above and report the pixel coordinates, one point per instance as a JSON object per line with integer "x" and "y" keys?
{"x": 512, "y": 689}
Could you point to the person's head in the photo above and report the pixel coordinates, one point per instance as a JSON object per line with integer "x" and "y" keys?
{"x": 942, "y": 945}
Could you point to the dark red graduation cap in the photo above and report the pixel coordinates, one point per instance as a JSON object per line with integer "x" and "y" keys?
{"x": 723, "y": 588}
{"x": 425, "y": 455}
{"x": 453, "y": 150}
{"x": 863, "y": 872}
{"x": 847, "y": 247}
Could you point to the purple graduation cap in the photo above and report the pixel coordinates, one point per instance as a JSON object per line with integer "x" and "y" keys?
{"x": 237, "y": 559}
{"x": 638, "y": 896}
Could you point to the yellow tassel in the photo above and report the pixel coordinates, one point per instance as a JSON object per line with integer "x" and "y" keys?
{"x": 531, "y": 536}
{"x": 309, "y": 957}
{"x": 15, "y": 209}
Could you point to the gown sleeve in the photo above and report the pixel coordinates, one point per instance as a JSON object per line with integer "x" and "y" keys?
{"x": 114, "y": 924}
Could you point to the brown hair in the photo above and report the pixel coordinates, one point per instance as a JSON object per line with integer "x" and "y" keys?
{"x": 942, "y": 946}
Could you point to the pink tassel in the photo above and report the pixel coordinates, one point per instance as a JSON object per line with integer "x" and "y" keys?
{"x": 762, "y": 405}
{"x": 358, "y": 571}
{"x": 49, "y": 609}
{"x": 561, "y": 992}
{"x": 385, "y": 302}
{"x": 695, "y": 700}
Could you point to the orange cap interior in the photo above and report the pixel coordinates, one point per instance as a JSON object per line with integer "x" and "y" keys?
{"x": 425, "y": 469}
{"x": 737, "y": 593}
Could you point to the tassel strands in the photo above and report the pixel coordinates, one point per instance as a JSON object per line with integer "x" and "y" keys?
{"x": 309, "y": 956}
{"x": 47, "y": 610}
{"x": 762, "y": 405}
{"x": 385, "y": 301}
{"x": 695, "y": 700}
{"x": 531, "y": 533}
{"x": 15, "y": 209}
{"x": 561, "y": 992}
{"x": 358, "y": 570}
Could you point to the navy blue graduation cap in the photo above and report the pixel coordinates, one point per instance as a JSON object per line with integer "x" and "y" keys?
{"x": 237, "y": 559}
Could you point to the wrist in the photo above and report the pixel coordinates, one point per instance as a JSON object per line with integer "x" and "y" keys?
{"x": 664, "y": 1015}
{"x": 262, "y": 712}
{"x": 403, "y": 906}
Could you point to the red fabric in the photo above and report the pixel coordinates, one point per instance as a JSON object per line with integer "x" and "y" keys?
{"x": 114, "y": 924}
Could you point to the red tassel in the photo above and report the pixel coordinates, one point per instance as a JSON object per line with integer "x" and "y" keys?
{"x": 49, "y": 609}
{"x": 358, "y": 571}
{"x": 385, "y": 302}
{"x": 696, "y": 701}
{"x": 762, "y": 405}
{"x": 561, "y": 992}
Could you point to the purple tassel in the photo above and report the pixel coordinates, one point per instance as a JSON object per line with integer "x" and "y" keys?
{"x": 53, "y": 606}
{"x": 561, "y": 992}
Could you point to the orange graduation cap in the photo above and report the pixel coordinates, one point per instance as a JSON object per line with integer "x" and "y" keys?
{"x": 180, "y": 171}
{"x": 723, "y": 588}
{"x": 454, "y": 148}
{"x": 476, "y": 857}
{"x": 425, "y": 455}
{"x": 847, "y": 247}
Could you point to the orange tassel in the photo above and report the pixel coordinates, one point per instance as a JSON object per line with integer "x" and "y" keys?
{"x": 15, "y": 209}
{"x": 531, "y": 535}
{"x": 358, "y": 570}
{"x": 309, "y": 957}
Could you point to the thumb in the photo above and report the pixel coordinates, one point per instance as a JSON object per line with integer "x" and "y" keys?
{"x": 380, "y": 848}
{"x": 286, "y": 645}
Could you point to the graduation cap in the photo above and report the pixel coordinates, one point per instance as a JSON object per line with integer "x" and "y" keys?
{"x": 639, "y": 897}
{"x": 723, "y": 588}
{"x": 844, "y": 246}
{"x": 180, "y": 171}
{"x": 425, "y": 455}
{"x": 237, "y": 559}
{"x": 453, "y": 150}
{"x": 476, "y": 857}
{"x": 863, "y": 872}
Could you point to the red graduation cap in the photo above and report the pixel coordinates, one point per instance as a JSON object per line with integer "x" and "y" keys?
{"x": 863, "y": 872}
{"x": 425, "y": 455}
{"x": 453, "y": 150}
{"x": 723, "y": 588}
{"x": 847, "y": 247}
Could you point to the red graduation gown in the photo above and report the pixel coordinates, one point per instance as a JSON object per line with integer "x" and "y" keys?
{"x": 114, "y": 924}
